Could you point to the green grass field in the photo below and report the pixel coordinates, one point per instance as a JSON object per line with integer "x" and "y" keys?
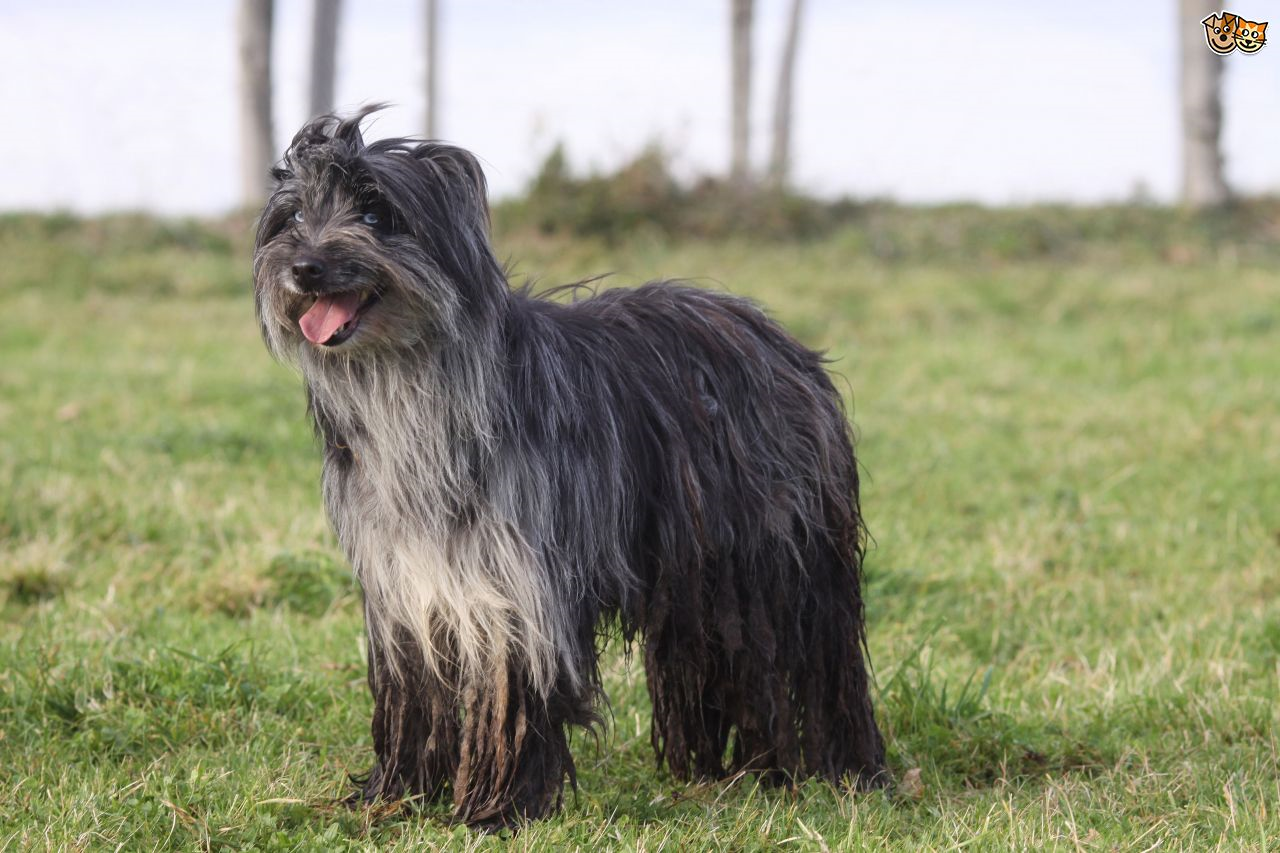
{"x": 1070, "y": 425}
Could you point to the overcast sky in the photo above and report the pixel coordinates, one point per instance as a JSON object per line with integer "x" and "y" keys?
{"x": 131, "y": 105}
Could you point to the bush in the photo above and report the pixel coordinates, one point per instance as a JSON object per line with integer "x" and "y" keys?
{"x": 643, "y": 196}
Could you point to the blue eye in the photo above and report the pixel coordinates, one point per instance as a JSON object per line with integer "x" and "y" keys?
{"x": 371, "y": 219}
{"x": 297, "y": 216}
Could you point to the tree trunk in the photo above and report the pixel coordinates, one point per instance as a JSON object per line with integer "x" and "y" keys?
{"x": 431, "y": 83}
{"x": 324, "y": 47}
{"x": 257, "y": 151}
{"x": 1203, "y": 183}
{"x": 780, "y": 157}
{"x": 739, "y": 164}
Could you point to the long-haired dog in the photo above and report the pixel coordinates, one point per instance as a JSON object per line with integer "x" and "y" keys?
{"x": 510, "y": 475}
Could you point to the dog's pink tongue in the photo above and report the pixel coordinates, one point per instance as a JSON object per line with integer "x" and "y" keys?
{"x": 328, "y": 315}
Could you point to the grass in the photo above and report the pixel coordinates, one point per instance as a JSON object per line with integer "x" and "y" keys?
{"x": 1074, "y": 598}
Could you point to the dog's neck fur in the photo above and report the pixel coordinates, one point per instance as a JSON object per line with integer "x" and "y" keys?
{"x": 418, "y": 418}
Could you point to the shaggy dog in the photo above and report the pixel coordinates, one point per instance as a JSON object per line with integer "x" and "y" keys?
{"x": 510, "y": 476}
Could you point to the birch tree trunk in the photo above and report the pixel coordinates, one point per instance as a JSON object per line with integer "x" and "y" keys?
{"x": 324, "y": 48}
{"x": 257, "y": 151}
{"x": 1203, "y": 182}
{"x": 780, "y": 156}
{"x": 431, "y": 12}
{"x": 740, "y": 152}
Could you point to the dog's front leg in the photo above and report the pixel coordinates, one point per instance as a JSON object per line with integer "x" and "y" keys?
{"x": 416, "y": 732}
{"x": 515, "y": 753}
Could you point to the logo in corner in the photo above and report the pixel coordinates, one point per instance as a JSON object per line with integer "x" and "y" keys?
{"x": 1227, "y": 31}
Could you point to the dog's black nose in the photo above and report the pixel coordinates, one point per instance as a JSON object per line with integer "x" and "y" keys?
{"x": 308, "y": 271}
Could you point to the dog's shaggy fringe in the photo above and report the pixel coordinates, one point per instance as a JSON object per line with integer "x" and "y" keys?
{"x": 509, "y": 474}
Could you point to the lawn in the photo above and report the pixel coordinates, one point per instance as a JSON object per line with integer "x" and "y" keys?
{"x": 1070, "y": 427}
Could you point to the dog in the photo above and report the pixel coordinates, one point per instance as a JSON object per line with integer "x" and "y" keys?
{"x": 513, "y": 477}
{"x": 1220, "y": 32}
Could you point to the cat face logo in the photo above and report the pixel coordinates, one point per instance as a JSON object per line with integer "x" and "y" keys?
{"x": 1226, "y": 32}
{"x": 1220, "y": 30}
{"x": 1250, "y": 37}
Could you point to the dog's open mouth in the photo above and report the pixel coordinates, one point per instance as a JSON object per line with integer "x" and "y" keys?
{"x": 334, "y": 317}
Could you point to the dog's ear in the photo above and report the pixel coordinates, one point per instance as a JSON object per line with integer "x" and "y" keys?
{"x": 462, "y": 172}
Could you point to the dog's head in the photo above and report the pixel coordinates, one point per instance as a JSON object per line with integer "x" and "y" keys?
{"x": 1220, "y": 31}
{"x": 371, "y": 247}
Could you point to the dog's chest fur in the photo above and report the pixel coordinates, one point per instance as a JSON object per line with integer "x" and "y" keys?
{"x": 441, "y": 566}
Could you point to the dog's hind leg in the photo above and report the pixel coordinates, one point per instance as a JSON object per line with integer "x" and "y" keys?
{"x": 840, "y": 739}
{"x": 763, "y": 659}
{"x": 720, "y": 693}
{"x": 416, "y": 733}
{"x": 689, "y": 641}
{"x": 804, "y": 692}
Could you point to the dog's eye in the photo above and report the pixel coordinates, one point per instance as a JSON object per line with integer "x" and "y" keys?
{"x": 371, "y": 218}
{"x": 297, "y": 216}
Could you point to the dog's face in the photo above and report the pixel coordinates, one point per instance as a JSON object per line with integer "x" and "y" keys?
{"x": 1250, "y": 36}
{"x": 1220, "y": 31}
{"x": 369, "y": 247}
